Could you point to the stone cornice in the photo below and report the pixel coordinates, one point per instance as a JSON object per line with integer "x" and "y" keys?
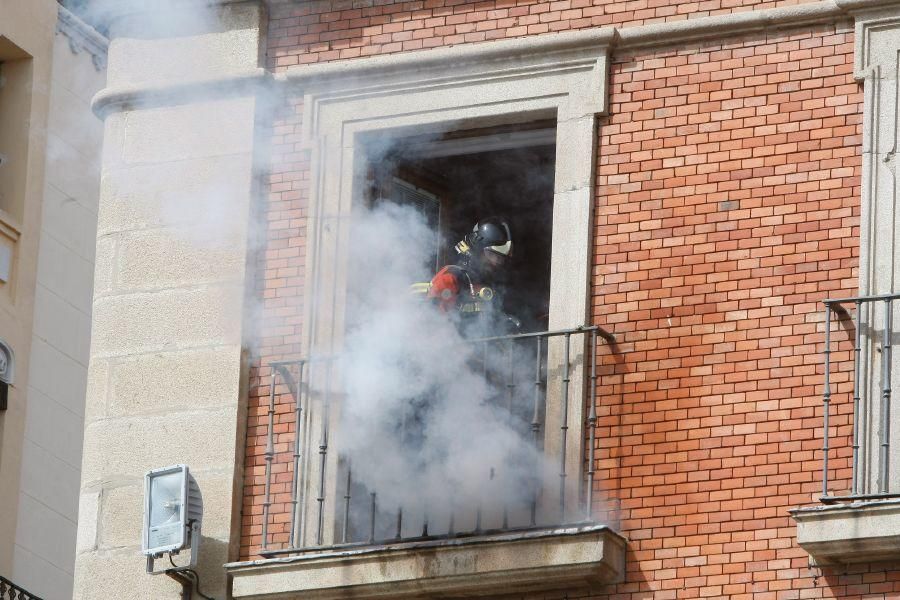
{"x": 82, "y": 37}
{"x": 145, "y": 96}
{"x": 576, "y": 49}
{"x": 728, "y": 26}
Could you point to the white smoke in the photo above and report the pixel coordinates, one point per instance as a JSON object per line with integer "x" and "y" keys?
{"x": 426, "y": 419}
{"x": 426, "y": 423}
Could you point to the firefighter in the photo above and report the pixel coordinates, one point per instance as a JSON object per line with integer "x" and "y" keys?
{"x": 466, "y": 289}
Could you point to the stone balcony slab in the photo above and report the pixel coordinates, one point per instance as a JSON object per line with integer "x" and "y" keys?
{"x": 471, "y": 566}
{"x": 849, "y": 533}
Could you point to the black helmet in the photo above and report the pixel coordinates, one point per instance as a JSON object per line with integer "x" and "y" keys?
{"x": 490, "y": 239}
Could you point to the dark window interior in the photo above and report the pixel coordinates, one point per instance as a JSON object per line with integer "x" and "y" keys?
{"x": 463, "y": 176}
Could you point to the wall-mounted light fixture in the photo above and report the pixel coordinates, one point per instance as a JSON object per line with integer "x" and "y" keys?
{"x": 173, "y": 510}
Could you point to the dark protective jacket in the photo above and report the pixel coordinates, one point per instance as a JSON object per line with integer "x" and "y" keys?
{"x": 456, "y": 289}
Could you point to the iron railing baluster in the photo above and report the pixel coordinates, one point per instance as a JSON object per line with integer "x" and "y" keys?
{"x": 886, "y": 396}
{"x": 298, "y": 410}
{"x": 323, "y": 451}
{"x": 269, "y": 457}
{"x": 346, "y": 524}
{"x": 826, "y": 399}
{"x": 303, "y": 481}
{"x": 536, "y": 420}
{"x": 592, "y": 427}
{"x": 564, "y": 430}
{"x": 372, "y": 518}
{"x": 511, "y": 382}
{"x": 478, "y": 514}
{"x": 510, "y": 393}
{"x": 857, "y": 389}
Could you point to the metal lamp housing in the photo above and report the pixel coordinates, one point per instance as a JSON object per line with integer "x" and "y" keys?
{"x": 172, "y": 510}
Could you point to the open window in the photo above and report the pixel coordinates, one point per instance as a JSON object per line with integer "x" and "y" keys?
{"x": 450, "y": 181}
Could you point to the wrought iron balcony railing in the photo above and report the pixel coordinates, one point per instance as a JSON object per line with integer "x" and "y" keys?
{"x": 859, "y": 460}
{"x": 10, "y": 591}
{"x": 542, "y": 384}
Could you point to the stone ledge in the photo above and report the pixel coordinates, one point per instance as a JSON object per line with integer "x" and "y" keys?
{"x": 486, "y": 565}
{"x": 849, "y": 533}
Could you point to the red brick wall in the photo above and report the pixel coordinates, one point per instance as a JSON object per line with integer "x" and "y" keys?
{"x": 727, "y": 208}
{"x": 279, "y": 292}
{"x": 325, "y": 30}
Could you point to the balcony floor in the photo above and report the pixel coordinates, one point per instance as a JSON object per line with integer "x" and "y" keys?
{"x": 472, "y": 566}
{"x": 849, "y": 533}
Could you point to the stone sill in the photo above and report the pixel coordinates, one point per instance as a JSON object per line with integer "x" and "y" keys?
{"x": 849, "y": 533}
{"x": 485, "y": 565}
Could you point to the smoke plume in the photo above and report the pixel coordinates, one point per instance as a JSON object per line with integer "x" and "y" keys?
{"x": 428, "y": 423}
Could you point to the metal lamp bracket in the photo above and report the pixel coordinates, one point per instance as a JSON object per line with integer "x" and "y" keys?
{"x": 195, "y": 550}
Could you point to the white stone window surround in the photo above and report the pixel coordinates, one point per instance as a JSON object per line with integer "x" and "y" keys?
{"x": 877, "y": 65}
{"x": 869, "y": 530}
{"x": 563, "y": 76}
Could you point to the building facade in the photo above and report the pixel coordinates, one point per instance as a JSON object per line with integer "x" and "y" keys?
{"x": 51, "y": 65}
{"x": 695, "y": 181}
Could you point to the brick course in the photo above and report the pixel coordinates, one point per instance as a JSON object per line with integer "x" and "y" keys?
{"x": 326, "y": 30}
{"x": 728, "y": 190}
{"x": 727, "y": 209}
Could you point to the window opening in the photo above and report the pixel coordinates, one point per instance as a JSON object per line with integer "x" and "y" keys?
{"x": 463, "y": 176}
{"x": 360, "y": 145}
{"x": 454, "y": 180}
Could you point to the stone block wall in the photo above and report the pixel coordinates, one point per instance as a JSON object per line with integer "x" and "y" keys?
{"x": 166, "y": 380}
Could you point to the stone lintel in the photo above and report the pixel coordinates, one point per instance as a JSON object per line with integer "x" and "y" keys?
{"x": 571, "y": 49}
{"x": 482, "y": 566}
{"x": 138, "y": 97}
{"x": 849, "y": 533}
